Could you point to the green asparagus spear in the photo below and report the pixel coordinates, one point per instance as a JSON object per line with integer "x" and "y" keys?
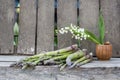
{"x": 58, "y": 58}
{"x": 83, "y": 62}
{"x": 86, "y": 61}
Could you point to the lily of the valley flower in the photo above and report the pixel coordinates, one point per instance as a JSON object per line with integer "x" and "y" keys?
{"x": 77, "y": 32}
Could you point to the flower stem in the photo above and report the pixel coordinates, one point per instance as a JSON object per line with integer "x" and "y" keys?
{"x": 79, "y": 44}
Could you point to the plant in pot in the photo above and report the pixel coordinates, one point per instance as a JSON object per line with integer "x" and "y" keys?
{"x": 103, "y": 49}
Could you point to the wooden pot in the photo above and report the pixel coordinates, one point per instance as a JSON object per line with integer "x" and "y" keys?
{"x": 104, "y": 52}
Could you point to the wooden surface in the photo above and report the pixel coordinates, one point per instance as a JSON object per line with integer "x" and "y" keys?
{"x": 5, "y": 61}
{"x": 11, "y": 58}
{"x": 6, "y": 26}
{"x": 67, "y": 14}
{"x": 111, "y": 13}
{"x": 45, "y": 28}
{"x": 26, "y": 44}
{"x": 96, "y": 70}
{"x": 89, "y": 11}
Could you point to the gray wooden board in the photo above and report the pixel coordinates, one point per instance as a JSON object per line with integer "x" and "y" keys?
{"x": 89, "y": 11}
{"x": 45, "y": 29}
{"x": 11, "y": 58}
{"x": 6, "y": 26}
{"x": 67, "y": 14}
{"x": 111, "y": 13}
{"x": 5, "y": 64}
{"x": 112, "y": 63}
{"x": 27, "y": 27}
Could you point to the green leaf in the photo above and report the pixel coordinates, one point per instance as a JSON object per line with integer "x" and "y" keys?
{"x": 92, "y": 37}
{"x": 16, "y": 29}
{"x": 101, "y": 28}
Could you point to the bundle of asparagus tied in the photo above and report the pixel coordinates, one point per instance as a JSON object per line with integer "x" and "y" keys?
{"x": 70, "y": 56}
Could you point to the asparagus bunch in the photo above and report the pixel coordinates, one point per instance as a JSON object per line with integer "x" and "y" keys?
{"x": 70, "y": 56}
{"x": 46, "y": 58}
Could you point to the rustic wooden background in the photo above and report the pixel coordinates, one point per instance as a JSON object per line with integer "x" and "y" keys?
{"x": 37, "y": 24}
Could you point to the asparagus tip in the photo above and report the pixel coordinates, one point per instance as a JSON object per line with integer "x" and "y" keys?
{"x": 74, "y": 47}
{"x": 63, "y": 66}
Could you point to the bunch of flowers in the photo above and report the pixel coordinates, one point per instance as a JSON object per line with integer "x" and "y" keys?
{"x": 77, "y": 32}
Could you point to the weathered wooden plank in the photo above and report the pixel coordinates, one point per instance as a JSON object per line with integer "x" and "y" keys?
{"x": 89, "y": 12}
{"x": 6, "y": 26}
{"x": 67, "y": 14}
{"x": 27, "y": 27}
{"x": 5, "y": 64}
{"x": 11, "y": 58}
{"x": 111, "y": 13}
{"x": 45, "y": 29}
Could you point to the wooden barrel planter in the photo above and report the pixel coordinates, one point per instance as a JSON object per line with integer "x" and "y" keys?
{"x": 104, "y": 52}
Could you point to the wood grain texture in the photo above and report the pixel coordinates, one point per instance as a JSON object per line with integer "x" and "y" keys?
{"x": 89, "y": 12}
{"x": 67, "y": 14}
{"x": 26, "y": 44}
{"x": 6, "y": 26}
{"x": 45, "y": 29}
{"x": 111, "y": 13}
